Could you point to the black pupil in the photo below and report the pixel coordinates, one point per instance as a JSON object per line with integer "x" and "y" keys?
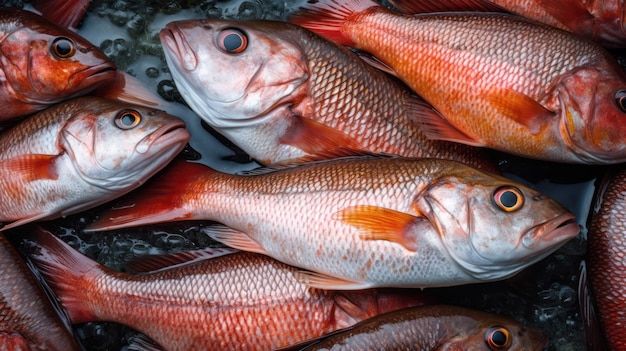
{"x": 128, "y": 119}
{"x": 508, "y": 199}
{"x": 63, "y": 47}
{"x": 232, "y": 42}
{"x": 498, "y": 338}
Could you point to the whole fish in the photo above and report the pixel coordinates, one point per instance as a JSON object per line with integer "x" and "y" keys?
{"x": 599, "y": 21}
{"x": 42, "y": 64}
{"x": 79, "y": 154}
{"x": 29, "y": 321}
{"x": 363, "y": 222}
{"x": 606, "y": 252}
{"x": 494, "y": 80}
{"x": 282, "y": 93}
{"x": 232, "y": 301}
{"x": 435, "y": 327}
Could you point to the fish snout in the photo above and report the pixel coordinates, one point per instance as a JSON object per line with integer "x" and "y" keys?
{"x": 171, "y": 133}
{"x": 177, "y": 48}
{"x": 552, "y": 232}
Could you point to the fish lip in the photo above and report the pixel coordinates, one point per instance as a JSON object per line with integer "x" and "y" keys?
{"x": 95, "y": 76}
{"x": 173, "y": 40}
{"x": 176, "y": 133}
{"x": 554, "y": 230}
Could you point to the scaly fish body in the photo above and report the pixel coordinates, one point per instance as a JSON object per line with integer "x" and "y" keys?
{"x": 282, "y": 93}
{"x": 495, "y": 80}
{"x": 42, "y": 64}
{"x": 29, "y": 322}
{"x": 364, "y": 222}
{"x": 606, "y": 262}
{"x": 81, "y": 153}
{"x": 238, "y": 301}
{"x": 435, "y": 327}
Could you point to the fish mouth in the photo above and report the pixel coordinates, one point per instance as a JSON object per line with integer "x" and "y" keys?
{"x": 166, "y": 136}
{"x": 94, "y": 76}
{"x": 558, "y": 229}
{"x": 175, "y": 44}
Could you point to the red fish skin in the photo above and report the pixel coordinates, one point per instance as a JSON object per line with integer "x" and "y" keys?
{"x": 35, "y": 74}
{"x": 239, "y": 301}
{"x": 485, "y": 74}
{"x": 65, "y": 13}
{"x": 606, "y": 262}
{"x": 29, "y": 322}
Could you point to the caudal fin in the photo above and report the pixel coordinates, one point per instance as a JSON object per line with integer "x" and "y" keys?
{"x": 162, "y": 199}
{"x": 327, "y": 17}
{"x": 66, "y": 271}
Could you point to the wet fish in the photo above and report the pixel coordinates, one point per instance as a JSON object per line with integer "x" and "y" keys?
{"x": 606, "y": 250}
{"x": 42, "y": 64}
{"x": 435, "y": 327}
{"x": 363, "y": 222}
{"x": 494, "y": 80}
{"x": 599, "y": 21}
{"x": 232, "y": 301}
{"x": 79, "y": 154}
{"x": 282, "y": 94}
{"x": 29, "y": 321}
{"x": 65, "y": 13}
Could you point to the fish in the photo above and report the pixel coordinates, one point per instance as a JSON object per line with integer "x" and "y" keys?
{"x": 494, "y": 80}
{"x": 42, "y": 64}
{"x": 362, "y": 222}
{"x": 598, "y": 21}
{"x": 605, "y": 259}
{"x": 29, "y": 320}
{"x": 284, "y": 94}
{"x": 81, "y": 153}
{"x": 211, "y": 299}
{"x": 435, "y": 327}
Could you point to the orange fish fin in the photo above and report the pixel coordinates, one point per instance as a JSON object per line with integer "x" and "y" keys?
{"x": 435, "y": 126}
{"x": 161, "y": 199}
{"x": 33, "y": 218}
{"x": 317, "y": 139}
{"x": 326, "y": 17}
{"x": 65, "y": 13}
{"x": 380, "y": 223}
{"x": 521, "y": 108}
{"x": 129, "y": 89}
{"x": 376, "y": 63}
{"x": 327, "y": 282}
{"x": 425, "y": 6}
{"x": 66, "y": 271}
{"x": 153, "y": 263}
{"x": 234, "y": 238}
{"x": 31, "y": 167}
{"x": 572, "y": 14}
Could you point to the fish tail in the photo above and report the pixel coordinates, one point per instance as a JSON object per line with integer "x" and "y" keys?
{"x": 327, "y": 17}
{"x": 66, "y": 271}
{"x": 162, "y": 199}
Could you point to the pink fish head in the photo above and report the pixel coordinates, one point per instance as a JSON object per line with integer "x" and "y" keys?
{"x": 492, "y": 226}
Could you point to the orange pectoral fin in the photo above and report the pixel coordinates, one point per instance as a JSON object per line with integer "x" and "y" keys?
{"x": 522, "y": 109}
{"x": 234, "y": 238}
{"x": 31, "y": 167}
{"x": 380, "y": 223}
{"x": 324, "y": 281}
{"x": 435, "y": 126}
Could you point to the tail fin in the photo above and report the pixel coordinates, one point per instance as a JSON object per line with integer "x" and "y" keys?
{"x": 162, "y": 199}
{"x": 326, "y": 17}
{"x": 66, "y": 271}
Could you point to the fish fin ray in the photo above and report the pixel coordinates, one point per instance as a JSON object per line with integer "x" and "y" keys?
{"x": 129, "y": 89}
{"x": 328, "y": 282}
{"x": 426, "y": 6}
{"x": 234, "y": 238}
{"x": 161, "y": 199}
{"x": 521, "y": 108}
{"x": 64, "y": 13}
{"x": 435, "y": 126}
{"x": 379, "y": 223}
{"x": 152, "y": 263}
{"x": 376, "y": 63}
{"x": 29, "y": 219}
{"x": 31, "y": 167}
{"x": 591, "y": 324}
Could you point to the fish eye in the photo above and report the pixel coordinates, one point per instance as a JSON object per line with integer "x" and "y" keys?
{"x": 63, "y": 47}
{"x": 498, "y": 338}
{"x": 620, "y": 99}
{"x": 232, "y": 41}
{"x": 127, "y": 119}
{"x": 508, "y": 198}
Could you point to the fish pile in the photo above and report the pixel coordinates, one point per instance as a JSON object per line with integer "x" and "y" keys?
{"x": 371, "y": 169}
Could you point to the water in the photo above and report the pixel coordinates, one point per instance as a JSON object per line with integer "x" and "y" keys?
{"x": 543, "y": 296}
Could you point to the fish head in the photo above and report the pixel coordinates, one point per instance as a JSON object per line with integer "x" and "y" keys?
{"x": 117, "y": 146}
{"x": 593, "y": 115}
{"x": 233, "y": 73}
{"x": 491, "y": 226}
{"x": 43, "y": 63}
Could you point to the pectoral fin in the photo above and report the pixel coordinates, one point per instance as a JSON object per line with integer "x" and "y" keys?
{"x": 234, "y": 238}
{"x": 379, "y": 223}
{"x": 522, "y": 109}
{"x": 317, "y": 139}
{"x": 435, "y": 126}
{"x": 31, "y": 167}
{"x": 324, "y": 281}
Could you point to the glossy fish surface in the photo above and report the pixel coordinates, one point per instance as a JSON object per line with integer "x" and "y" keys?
{"x": 494, "y": 80}
{"x": 219, "y": 301}
{"x": 283, "y": 93}
{"x": 435, "y": 327}
{"x": 363, "y": 222}
{"x": 81, "y": 153}
{"x": 42, "y": 64}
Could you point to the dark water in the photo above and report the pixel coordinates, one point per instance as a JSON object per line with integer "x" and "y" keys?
{"x": 543, "y": 296}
